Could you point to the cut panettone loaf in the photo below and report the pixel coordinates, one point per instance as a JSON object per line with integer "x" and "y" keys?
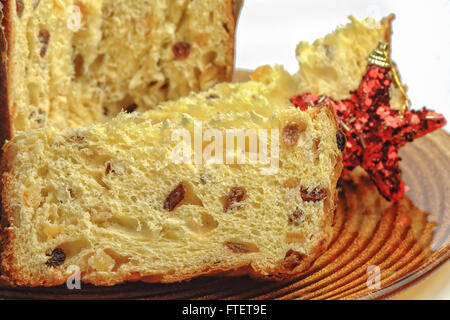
{"x": 334, "y": 65}
{"x": 112, "y": 200}
{"x": 73, "y": 62}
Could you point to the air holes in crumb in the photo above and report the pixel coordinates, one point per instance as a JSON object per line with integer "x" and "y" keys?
{"x": 190, "y": 196}
{"x": 72, "y": 248}
{"x": 208, "y": 223}
{"x": 209, "y": 57}
{"x": 101, "y": 261}
{"x": 128, "y": 223}
{"x": 172, "y": 232}
{"x": 49, "y": 231}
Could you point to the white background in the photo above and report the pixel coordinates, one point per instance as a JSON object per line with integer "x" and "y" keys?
{"x": 269, "y": 31}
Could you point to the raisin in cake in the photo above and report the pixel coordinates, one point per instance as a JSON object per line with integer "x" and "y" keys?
{"x": 334, "y": 65}
{"x": 72, "y": 62}
{"x": 110, "y": 199}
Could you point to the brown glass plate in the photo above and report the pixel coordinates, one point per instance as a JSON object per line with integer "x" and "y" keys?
{"x": 404, "y": 241}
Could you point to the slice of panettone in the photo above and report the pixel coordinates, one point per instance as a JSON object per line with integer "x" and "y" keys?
{"x": 112, "y": 200}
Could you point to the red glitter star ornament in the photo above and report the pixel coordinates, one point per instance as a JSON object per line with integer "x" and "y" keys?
{"x": 373, "y": 130}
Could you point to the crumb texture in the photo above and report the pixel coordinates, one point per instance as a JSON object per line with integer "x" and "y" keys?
{"x": 73, "y": 62}
{"x": 109, "y": 199}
